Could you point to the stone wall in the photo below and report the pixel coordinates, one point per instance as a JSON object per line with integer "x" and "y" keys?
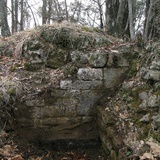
{"x": 68, "y": 110}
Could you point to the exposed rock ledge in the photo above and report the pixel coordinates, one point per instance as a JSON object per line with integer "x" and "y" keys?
{"x": 65, "y": 83}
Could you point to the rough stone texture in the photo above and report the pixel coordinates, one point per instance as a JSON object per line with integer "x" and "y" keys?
{"x": 79, "y": 57}
{"x": 98, "y": 59}
{"x": 153, "y": 101}
{"x": 89, "y": 74}
{"x": 80, "y": 84}
{"x": 143, "y": 96}
{"x": 155, "y": 65}
{"x": 113, "y": 76}
{"x": 152, "y": 75}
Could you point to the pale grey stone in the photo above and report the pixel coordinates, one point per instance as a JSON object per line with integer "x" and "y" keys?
{"x": 152, "y": 75}
{"x": 89, "y": 74}
{"x": 128, "y": 84}
{"x": 85, "y": 85}
{"x": 153, "y": 101}
{"x": 80, "y": 84}
{"x": 155, "y": 65}
{"x": 98, "y": 59}
{"x": 156, "y": 119}
{"x": 65, "y": 84}
{"x": 143, "y": 105}
{"x": 145, "y": 118}
{"x": 143, "y": 95}
{"x": 79, "y": 57}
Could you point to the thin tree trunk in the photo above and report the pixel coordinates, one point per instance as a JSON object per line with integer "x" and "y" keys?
{"x": 13, "y": 16}
{"x": 22, "y": 15}
{"x": 120, "y": 16}
{"x": 146, "y": 28}
{"x": 44, "y": 12}
{"x": 101, "y": 14}
{"x": 66, "y": 10}
{"x": 16, "y": 16}
{"x": 131, "y": 25}
{"x": 49, "y": 11}
{"x": 3, "y": 19}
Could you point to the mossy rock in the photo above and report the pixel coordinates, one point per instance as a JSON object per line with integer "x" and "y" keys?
{"x": 133, "y": 68}
{"x": 32, "y": 67}
{"x": 70, "y": 38}
{"x": 155, "y": 135}
{"x": 57, "y": 58}
{"x": 33, "y": 45}
{"x": 69, "y": 69}
{"x": 58, "y": 36}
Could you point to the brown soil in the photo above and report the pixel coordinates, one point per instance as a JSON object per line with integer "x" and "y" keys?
{"x": 14, "y": 148}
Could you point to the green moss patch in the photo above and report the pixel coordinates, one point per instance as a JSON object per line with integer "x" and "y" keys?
{"x": 32, "y": 67}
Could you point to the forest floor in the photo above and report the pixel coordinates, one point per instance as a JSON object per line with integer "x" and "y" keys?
{"x": 14, "y": 148}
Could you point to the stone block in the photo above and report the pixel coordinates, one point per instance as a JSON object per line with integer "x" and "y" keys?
{"x": 117, "y": 59}
{"x": 113, "y": 76}
{"x": 85, "y": 85}
{"x": 155, "y": 65}
{"x": 151, "y": 75}
{"x": 98, "y": 59}
{"x": 87, "y": 102}
{"x": 59, "y": 93}
{"x": 153, "y": 101}
{"x": 79, "y": 57}
{"x": 66, "y": 84}
{"x": 62, "y": 123}
{"x": 64, "y": 108}
{"x": 89, "y": 74}
{"x": 32, "y": 103}
{"x": 81, "y": 85}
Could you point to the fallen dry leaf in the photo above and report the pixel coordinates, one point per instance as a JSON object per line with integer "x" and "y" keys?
{"x": 17, "y": 157}
{"x": 148, "y": 156}
{"x": 155, "y": 147}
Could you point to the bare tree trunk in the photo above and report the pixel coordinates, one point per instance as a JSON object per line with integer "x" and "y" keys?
{"x": 3, "y": 19}
{"x": 49, "y": 11}
{"x": 148, "y": 18}
{"x": 101, "y": 14}
{"x": 44, "y": 12}
{"x": 66, "y": 10}
{"x": 111, "y": 16}
{"x": 120, "y": 16}
{"x": 131, "y": 25}
{"x": 22, "y": 15}
{"x": 13, "y": 16}
{"x": 16, "y": 16}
